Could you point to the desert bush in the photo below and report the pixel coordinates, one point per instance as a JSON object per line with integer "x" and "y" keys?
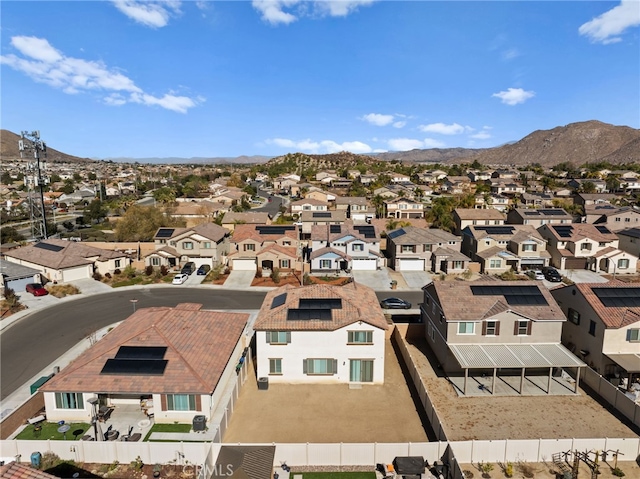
{"x": 485, "y": 468}
{"x": 275, "y": 275}
{"x": 62, "y": 290}
{"x": 49, "y": 460}
{"x": 117, "y": 271}
{"x": 97, "y": 276}
{"x": 306, "y": 279}
{"x": 11, "y": 301}
{"x": 130, "y": 271}
{"x": 148, "y": 270}
{"x": 107, "y": 275}
{"x": 259, "y": 273}
{"x": 137, "y": 464}
{"x": 164, "y": 270}
{"x": 217, "y": 272}
{"x": 616, "y": 471}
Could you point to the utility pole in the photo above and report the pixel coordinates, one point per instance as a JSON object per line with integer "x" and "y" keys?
{"x": 30, "y": 141}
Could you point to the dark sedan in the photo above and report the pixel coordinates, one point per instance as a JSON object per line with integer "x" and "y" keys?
{"x": 395, "y": 303}
{"x": 551, "y": 274}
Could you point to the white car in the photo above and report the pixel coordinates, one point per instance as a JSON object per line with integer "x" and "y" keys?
{"x": 180, "y": 278}
{"x": 535, "y": 274}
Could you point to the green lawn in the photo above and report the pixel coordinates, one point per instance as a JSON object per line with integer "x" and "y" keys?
{"x": 339, "y": 475}
{"x": 50, "y": 431}
{"x": 168, "y": 428}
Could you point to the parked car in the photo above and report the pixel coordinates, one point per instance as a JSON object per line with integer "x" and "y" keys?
{"x": 188, "y": 268}
{"x": 551, "y": 274}
{"x": 535, "y": 274}
{"x": 180, "y": 278}
{"x": 395, "y": 303}
{"x": 36, "y": 289}
{"x": 203, "y": 269}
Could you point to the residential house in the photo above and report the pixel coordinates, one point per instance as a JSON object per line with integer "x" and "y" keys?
{"x": 476, "y": 175}
{"x": 536, "y": 200}
{"x": 593, "y": 213}
{"x": 588, "y": 199}
{"x": 346, "y": 246}
{"x": 197, "y": 212}
{"x": 16, "y": 276}
{"x": 401, "y": 208}
{"x": 603, "y": 327}
{"x": 307, "y": 204}
{"x": 283, "y": 184}
{"x": 629, "y": 241}
{"x": 508, "y": 188}
{"x": 398, "y": 177}
{"x": 585, "y": 246}
{"x": 503, "y": 248}
{"x": 232, "y": 218}
{"x": 206, "y": 243}
{"x": 538, "y": 217}
{"x": 64, "y": 261}
{"x": 487, "y": 327}
{"x": 229, "y": 197}
{"x": 385, "y": 192}
{"x": 322, "y": 174}
{"x": 630, "y": 184}
{"x": 357, "y": 208}
{"x": 368, "y": 178}
{"x": 180, "y": 358}
{"x": 424, "y": 249}
{"x": 320, "y": 195}
{"x": 309, "y": 219}
{"x": 84, "y": 194}
{"x": 464, "y": 217}
{"x": 490, "y": 201}
{"x": 266, "y": 247}
{"x": 457, "y": 185}
{"x": 617, "y": 219}
{"x": 505, "y": 174}
{"x": 599, "y": 186}
{"x": 321, "y": 334}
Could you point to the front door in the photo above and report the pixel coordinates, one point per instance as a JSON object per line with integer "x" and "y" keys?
{"x": 361, "y": 370}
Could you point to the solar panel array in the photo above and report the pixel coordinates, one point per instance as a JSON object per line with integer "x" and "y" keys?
{"x": 496, "y": 230}
{"x": 514, "y": 295}
{"x": 320, "y": 303}
{"x": 618, "y": 297}
{"x": 49, "y": 247}
{"x": 165, "y": 233}
{"x": 367, "y": 231}
{"x": 563, "y": 230}
{"x": 532, "y": 213}
{"x": 335, "y": 228}
{"x": 552, "y": 212}
{"x": 308, "y": 314}
{"x": 141, "y": 352}
{"x": 603, "y": 229}
{"x": 396, "y": 233}
{"x": 321, "y": 214}
{"x": 137, "y": 360}
{"x": 274, "y": 229}
{"x": 279, "y": 300}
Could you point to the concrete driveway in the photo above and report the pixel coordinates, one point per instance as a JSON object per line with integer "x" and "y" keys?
{"x": 91, "y": 286}
{"x": 582, "y": 276}
{"x": 416, "y": 279}
{"x": 239, "y": 279}
{"x": 378, "y": 280}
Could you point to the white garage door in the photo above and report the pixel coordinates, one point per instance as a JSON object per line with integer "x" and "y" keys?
{"x": 410, "y": 264}
{"x": 72, "y": 274}
{"x": 364, "y": 264}
{"x": 244, "y": 264}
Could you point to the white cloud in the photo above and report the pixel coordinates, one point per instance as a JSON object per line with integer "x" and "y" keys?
{"x": 442, "y": 129}
{"x": 514, "y": 96}
{"x": 377, "y": 119}
{"x": 154, "y": 14}
{"x": 404, "y": 144}
{"x": 318, "y": 147}
{"x": 510, "y": 54}
{"x": 481, "y": 135}
{"x": 44, "y": 64}
{"x": 607, "y": 27}
{"x": 273, "y": 11}
{"x": 399, "y": 124}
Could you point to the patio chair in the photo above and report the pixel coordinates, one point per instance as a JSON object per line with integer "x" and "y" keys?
{"x": 134, "y": 437}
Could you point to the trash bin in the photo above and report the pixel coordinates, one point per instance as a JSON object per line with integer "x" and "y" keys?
{"x": 199, "y": 423}
{"x": 263, "y": 383}
{"x": 36, "y": 457}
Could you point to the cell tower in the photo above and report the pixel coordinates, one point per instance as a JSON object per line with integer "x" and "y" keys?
{"x": 35, "y": 181}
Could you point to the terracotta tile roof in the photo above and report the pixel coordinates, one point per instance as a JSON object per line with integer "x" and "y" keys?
{"x": 581, "y": 231}
{"x": 199, "y": 344}
{"x": 520, "y": 232}
{"x": 478, "y": 214}
{"x": 322, "y": 251}
{"x": 242, "y": 232}
{"x": 211, "y": 231}
{"x": 352, "y": 200}
{"x": 347, "y": 228}
{"x": 612, "y": 317}
{"x": 71, "y": 254}
{"x": 256, "y": 218}
{"x": 460, "y": 304}
{"x": 309, "y": 201}
{"x": 451, "y": 254}
{"x": 15, "y": 470}
{"x": 415, "y": 235}
{"x": 289, "y": 251}
{"x": 359, "y": 303}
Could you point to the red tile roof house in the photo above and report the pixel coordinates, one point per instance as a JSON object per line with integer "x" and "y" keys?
{"x": 64, "y": 261}
{"x": 482, "y": 327}
{"x": 321, "y": 334}
{"x": 265, "y": 246}
{"x": 182, "y": 358}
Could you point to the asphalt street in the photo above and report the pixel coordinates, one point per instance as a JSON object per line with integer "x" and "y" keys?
{"x": 37, "y": 340}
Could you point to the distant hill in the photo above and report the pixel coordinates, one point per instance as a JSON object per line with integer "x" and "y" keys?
{"x": 217, "y": 160}
{"x": 9, "y": 150}
{"x": 578, "y": 143}
{"x": 434, "y": 155}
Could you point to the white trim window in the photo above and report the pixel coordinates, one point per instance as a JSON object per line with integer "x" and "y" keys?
{"x": 187, "y": 245}
{"x": 360, "y": 337}
{"x": 275, "y": 366}
{"x": 623, "y": 263}
{"x": 155, "y": 261}
{"x": 319, "y": 366}
{"x": 325, "y": 264}
{"x": 495, "y": 263}
{"x": 466, "y": 327}
{"x": 181, "y": 402}
{"x": 634, "y": 336}
{"x": 357, "y": 247}
{"x": 69, "y": 401}
{"x": 278, "y": 337}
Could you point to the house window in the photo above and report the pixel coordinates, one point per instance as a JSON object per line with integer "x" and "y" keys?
{"x": 324, "y": 366}
{"x": 585, "y": 247}
{"x": 602, "y": 244}
{"x": 573, "y": 316}
{"x": 306, "y": 207}
{"x": 407, "y": 248}
{"x": 181, "y": 402}
{"x": 491, "y": 328}
{"x": 285, "y": 263}
{"x": 528, "y": 247}
{"x": 187, "y": 245}
{"x": 487, "y": 242}
{"x": 495, "y": 263}
{"x": 457, "y": 264}
{"x": 360, "y": 337}
{"x": 522, "y": 328}
{"x": 325, "y": 264}
{"x": 627, "y": 220}
{"x": 117, "y": 263}
{"x": 172, "y": 243}
{"x": 623, "y": 263}
{"x": 162, "y": 241}
{"x": 361, "y": 370}
{"x": 249, "y": 247}
{"x": 466, "y": 328}
{"x": 155, "y": 261}
{"x": 278, "y": 337}
{"x": 634, "y": 335}
{"x": 275, "y": 366}
{"x": 431, "y": 331}
{"x": 592, "y": 328}
{"x": 357, "y": 247}
{"x": 206, "y": 245}
{"x": 69, "y": 401}
{"x": 427, "y": 247}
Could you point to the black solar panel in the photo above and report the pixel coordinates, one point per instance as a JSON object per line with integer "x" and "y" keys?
{"x": 367, "y": 231}
{"x": 396, "y": 233}
{"x": 514, "y": 295}
{"x": 141, "y": 352}
{"x": 603, "y": 229}
{"x": 307, "y": 314}
{"x": 335, "y": 228}
{"x": 279, "y": 300}
{"x": 552, "y": 212}
{"x": 321, "y": 214}
{"x": 49, "y": 247}
{"x": 619, "y": 297}
{"x": 165, "y": 233}
{"x": 146, "y": 367}
{"x": 496, "y": 230}
{"x": 274, "y": 229}
{"x": 320, "y": 303}
{"x": 531, "y": 213}
{"x": 563, "y": 231}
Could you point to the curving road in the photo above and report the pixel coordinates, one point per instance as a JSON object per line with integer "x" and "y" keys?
{"x": 37, "y": 340}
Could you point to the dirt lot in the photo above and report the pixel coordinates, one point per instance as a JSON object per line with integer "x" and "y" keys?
{"x": 328, "y": 413}
{"x": 526, "y": 417}
{"x": 546, "y": 471}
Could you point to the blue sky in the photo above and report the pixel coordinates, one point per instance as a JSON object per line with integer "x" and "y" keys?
{"x": 135, "y": 79}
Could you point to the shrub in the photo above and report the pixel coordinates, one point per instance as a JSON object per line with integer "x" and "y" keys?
{"x": 49, "y": 460}
{"x": 275, "y": 275}
{"x": 117, "y": 271}
{"x": 306, "y": 279}
{"x": 11, "y": 299}
{"x": 62, "y": 290}
{"x": 107, "y": 275}
{"x": 217, "y": 272}
{"x": 97, "y": 276}
{"x": 617, "y": 472}
{"x": 259, "y": 273}
{"x": 130, "y": 271}
{"x": 148, "y": 270}
{"x": 164, "y": 270}
{"x": 137, "y": 464}
{"x": 485, "y": 468}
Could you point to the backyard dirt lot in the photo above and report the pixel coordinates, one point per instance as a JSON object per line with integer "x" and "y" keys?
{"x": 516, "y": 417}
{"x": 548, "y": 470}
{"x": 299, "y": 413}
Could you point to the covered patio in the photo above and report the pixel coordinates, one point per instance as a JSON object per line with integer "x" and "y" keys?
{"x": 627, "y": 370}
{"x": 498, "y": 365}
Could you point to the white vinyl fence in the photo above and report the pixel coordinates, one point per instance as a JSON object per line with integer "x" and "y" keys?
{"x": 612, "y": 395}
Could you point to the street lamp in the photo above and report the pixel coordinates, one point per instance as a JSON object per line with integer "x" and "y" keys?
{"x": 134, "y": 301}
